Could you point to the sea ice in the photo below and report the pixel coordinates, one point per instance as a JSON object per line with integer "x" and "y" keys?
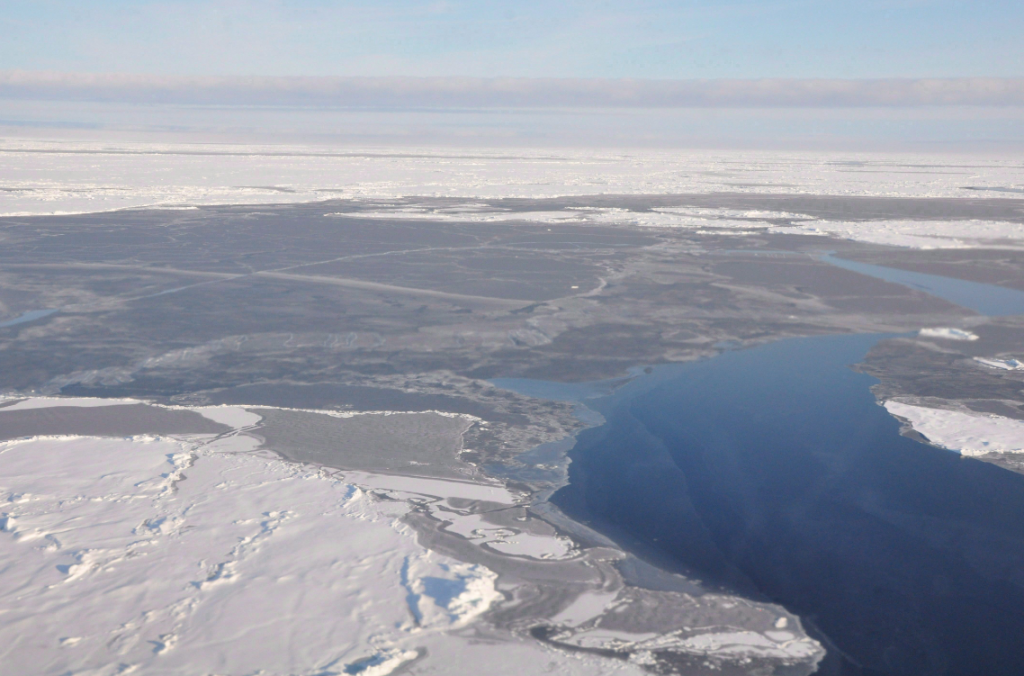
{"x": 52, "y": 402}
{"x": 198, "y": 555}
{"x": 951, "y": 234}
{"x": 1003, "y": 364}
{"x": 948, "y": 334}
{"x": 54, "y": 177}
{"x": 506, "y": 540}
{"x": 968, "y": 433}
{"x": 156, "y": 555}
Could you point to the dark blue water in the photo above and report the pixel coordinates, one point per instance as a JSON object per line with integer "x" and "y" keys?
{"x": 986, "y": 299}
{"x": 773, "y": 472}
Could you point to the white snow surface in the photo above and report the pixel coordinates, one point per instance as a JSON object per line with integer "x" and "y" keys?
{"x": 586, "y": 607}
{"x": 968, "y": 433}
{"x": 437, "y": 488}
{"x": 52, "y": 402}
{"x": 160, "y": 555}
{"x": 55, "y": 177}
{"x": 201, "y": 554}
{"x": 948, "y": 334}
{"x": 514, "y": 542}
{"x": 1002, "y": 364}
{"x": 951, "y": 234}
{"x": 718, "y": 642}
{"x": 232, "y": 416}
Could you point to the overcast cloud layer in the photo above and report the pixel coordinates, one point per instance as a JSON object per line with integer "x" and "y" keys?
{"x": 460, "y": 92}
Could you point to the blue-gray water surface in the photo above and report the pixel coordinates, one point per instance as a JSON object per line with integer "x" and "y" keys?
{"x": 986, "y": 299}
{"x": 773, "y": 472}
{"x": 26, "y": 317}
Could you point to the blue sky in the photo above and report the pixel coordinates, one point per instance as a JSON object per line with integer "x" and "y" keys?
{"x": 527, "y": 38}
{"x": 156, "y": 68}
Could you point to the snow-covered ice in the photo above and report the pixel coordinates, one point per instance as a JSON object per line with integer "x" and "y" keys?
{"x": 52, "y": 177}
{"x": 514, "y": 542}
{"x": 967, "y": 433}
{"x": 586, "y": 607}
{"x": 1002, "y": 364}
{"x": 438, "y": 488}
{"x": 196, "y": 554}
{"x": 52, "y": 402}
{"x": 921, "y": 234}
{"x": 948, "y": 334}
{"x": 155, "y": 555}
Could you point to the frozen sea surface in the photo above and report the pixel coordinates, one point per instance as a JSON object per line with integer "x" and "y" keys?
{"x": 39, "y": 177}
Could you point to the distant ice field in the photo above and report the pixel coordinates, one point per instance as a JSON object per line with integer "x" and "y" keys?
{"x": 40, "y": 177}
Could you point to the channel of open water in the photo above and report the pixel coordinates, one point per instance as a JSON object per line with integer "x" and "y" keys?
{"x": 26, "y": 317}
{"x": 773, "y": 472}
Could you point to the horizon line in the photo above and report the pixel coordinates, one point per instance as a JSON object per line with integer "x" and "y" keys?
{"x": 525, "y": 93}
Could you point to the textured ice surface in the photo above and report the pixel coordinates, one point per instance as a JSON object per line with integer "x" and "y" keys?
{"x": 195, "y": 555}
{"x": 157, "y": 555}
{"x": 41, "y": 177}
{"x": 968, "y": 433}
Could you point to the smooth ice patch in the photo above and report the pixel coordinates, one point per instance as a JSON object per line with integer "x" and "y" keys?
{"x": 968, "y": 433}
{"x": 437, "y": 488}
{"x": 53, "y": 402}
{"x": 1002, "y": 364}
{"x": 232, "y": 416}
{"x": 506, "y": 540}
{"x": 948, "y": 334}
{"x": 586, "y": 606}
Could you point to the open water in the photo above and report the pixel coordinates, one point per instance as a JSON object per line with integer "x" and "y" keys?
{"x": 773, "y": 472}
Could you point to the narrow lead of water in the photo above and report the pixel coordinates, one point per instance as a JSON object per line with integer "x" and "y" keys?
{"x": 986, "y": 299}
{"x": 26, "y": 317}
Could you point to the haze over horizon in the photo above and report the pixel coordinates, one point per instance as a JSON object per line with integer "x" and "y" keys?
{"x": 909, "y": 75}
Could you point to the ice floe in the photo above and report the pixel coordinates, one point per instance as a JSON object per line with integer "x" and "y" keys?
{"x": 1003, "y": 364}
{"x": 918, "y": 234}
{"x": 717, "y": 642}
{"x": 948, "y": 334}
{"x": 232, "y": 416}
{"x": 507, "y": 540}
{"x": 437, "y": 488}
{"x": 968, "y": 433}
{"x": 53, "y": 402}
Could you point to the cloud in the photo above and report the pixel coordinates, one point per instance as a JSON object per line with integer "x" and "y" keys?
{"x": 464, "y": 92}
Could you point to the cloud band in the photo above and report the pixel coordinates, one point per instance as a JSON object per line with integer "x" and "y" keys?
{"x": 457, "y": 92}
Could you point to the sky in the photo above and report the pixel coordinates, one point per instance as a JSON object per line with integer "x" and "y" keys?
{"x": 525, "y": 38}
{"x": 595, "y": 43}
